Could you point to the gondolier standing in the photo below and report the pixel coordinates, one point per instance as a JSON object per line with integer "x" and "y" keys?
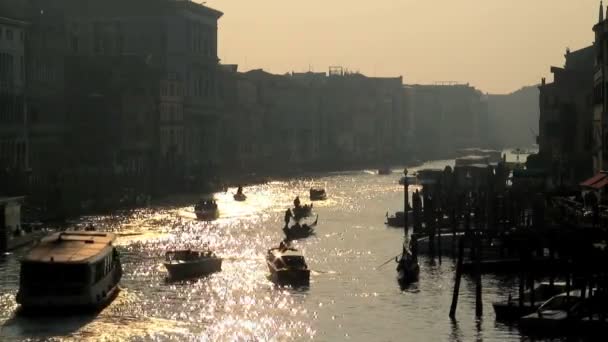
{"x": 288, "y": 216}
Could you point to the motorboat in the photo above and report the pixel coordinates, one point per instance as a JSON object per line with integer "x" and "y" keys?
{"x": 186, "y": 264}
{"x": 556, "y": 314}
{"x": 509, "y": 309}
{"x": 317, "y": 194}
{"x": 385, "y": 171}
{"x": 206, "y": 210}
{"x": 299, "y": 231}
{"x": 70, "y": 270}
{"x": 287, "y": 267}
{"x": 398, "y": 220}
{"x": 408, "y": 270}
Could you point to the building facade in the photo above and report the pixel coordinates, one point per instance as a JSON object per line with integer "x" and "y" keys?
{"x": 448, "y": 117}
{"x": 13, "y": 121}
{"x": 600, "y": 79}
{"x": 566, "y": 119}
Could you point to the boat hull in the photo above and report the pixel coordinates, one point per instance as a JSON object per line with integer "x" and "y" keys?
{"x": 207, "y": 215}
{"x": 89, "y": 298}
{"x": 240, "y": 198}
{"x": 188, "y": 270}
{"x": 293, "y": 278}
{"x": 295, "y": 233}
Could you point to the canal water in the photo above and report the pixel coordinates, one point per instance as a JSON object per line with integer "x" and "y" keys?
{"x": 349, "y": 297}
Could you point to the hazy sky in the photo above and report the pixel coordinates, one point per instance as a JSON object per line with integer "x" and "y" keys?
{"x": 495, "y": 45}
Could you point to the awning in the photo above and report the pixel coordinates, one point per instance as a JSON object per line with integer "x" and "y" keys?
{"x": 596, "y": 182}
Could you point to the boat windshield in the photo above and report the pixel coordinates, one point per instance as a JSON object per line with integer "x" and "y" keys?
{"x": 54, "y": 273}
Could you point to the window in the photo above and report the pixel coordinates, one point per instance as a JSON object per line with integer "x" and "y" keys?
{"x": 0, "y": 32}
{"x": 22, "y": 68}
{"x": 9, "y": 34}
{"x": 75, "y": 43}
{"x": 22, "y": 36}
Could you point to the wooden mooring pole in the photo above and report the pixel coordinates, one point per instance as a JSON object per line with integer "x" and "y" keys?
{"x": 478, "y": 287}
{"x": 439, "y": 236}
{"x": 457, "y": 278}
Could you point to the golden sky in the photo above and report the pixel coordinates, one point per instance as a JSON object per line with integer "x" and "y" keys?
{"x": 497, "y": 46}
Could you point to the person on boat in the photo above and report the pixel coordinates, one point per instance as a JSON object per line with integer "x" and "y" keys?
{"x": 288, "y": 216}
{"x": 239, "y": 191}
{"x": 283, "y": 246}
{"x": 296, "y": 202}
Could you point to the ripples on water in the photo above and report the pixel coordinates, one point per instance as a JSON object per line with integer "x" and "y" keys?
{"x": 348, "y": 297}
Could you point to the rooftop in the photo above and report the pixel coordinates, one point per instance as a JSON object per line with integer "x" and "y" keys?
{"x": 70, "y": 247}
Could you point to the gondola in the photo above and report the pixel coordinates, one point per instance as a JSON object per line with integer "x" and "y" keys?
{"x": 298, "y": 231}
{"x": 302, "y": 211}
{"x": 408, "y": 270}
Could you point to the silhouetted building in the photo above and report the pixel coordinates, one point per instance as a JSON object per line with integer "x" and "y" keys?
{"x": 566, "y": 115}
{"x": 513, "y": 118}
{"x": 448, "y": 117}
{"x": 600, "y": 100}
{"x": 13, "y": 122}
{"x": 176, "y": 39}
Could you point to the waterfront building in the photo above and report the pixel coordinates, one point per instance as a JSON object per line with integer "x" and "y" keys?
{"x": 566, "y": 118}
{"x": 448, "y": 117}
{"x": 13, "y": 121}
{"x": 600, "y": 77}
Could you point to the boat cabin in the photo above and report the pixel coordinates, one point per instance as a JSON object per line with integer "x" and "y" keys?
{"x": 289, "y": 258}
{"x": 68, "y": 263}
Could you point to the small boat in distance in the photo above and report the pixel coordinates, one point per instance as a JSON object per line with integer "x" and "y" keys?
{"x": 186, "y": 264}
{"x": 287, "y": 266}
{"x": 70, "y": 270}
{"x": 398, "y": 220}
{"x": 318, "y": 194}
{"x": 240, "y": 196}
{"x": 385, "y": 171}
{"x": 206, "y": 209}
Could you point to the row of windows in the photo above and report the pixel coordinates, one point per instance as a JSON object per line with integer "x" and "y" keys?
{"x": 12, "y": 153}
{"x": 103, "y": 267}
{"x": 8, "y": 34}
{"x": 170, "y": 89}
{"x": 11, "y": 110}
{"x": 172, "y": 137}
{"x": 201, "y": 39}
{"x": 44, "y": 71}
{"x": 7, "y": 68}
{"x": 200, "y": 86}
{"x": 171, "y": 112}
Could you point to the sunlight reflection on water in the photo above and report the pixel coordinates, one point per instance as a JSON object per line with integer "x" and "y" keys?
{"x": 348, "y": 297}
